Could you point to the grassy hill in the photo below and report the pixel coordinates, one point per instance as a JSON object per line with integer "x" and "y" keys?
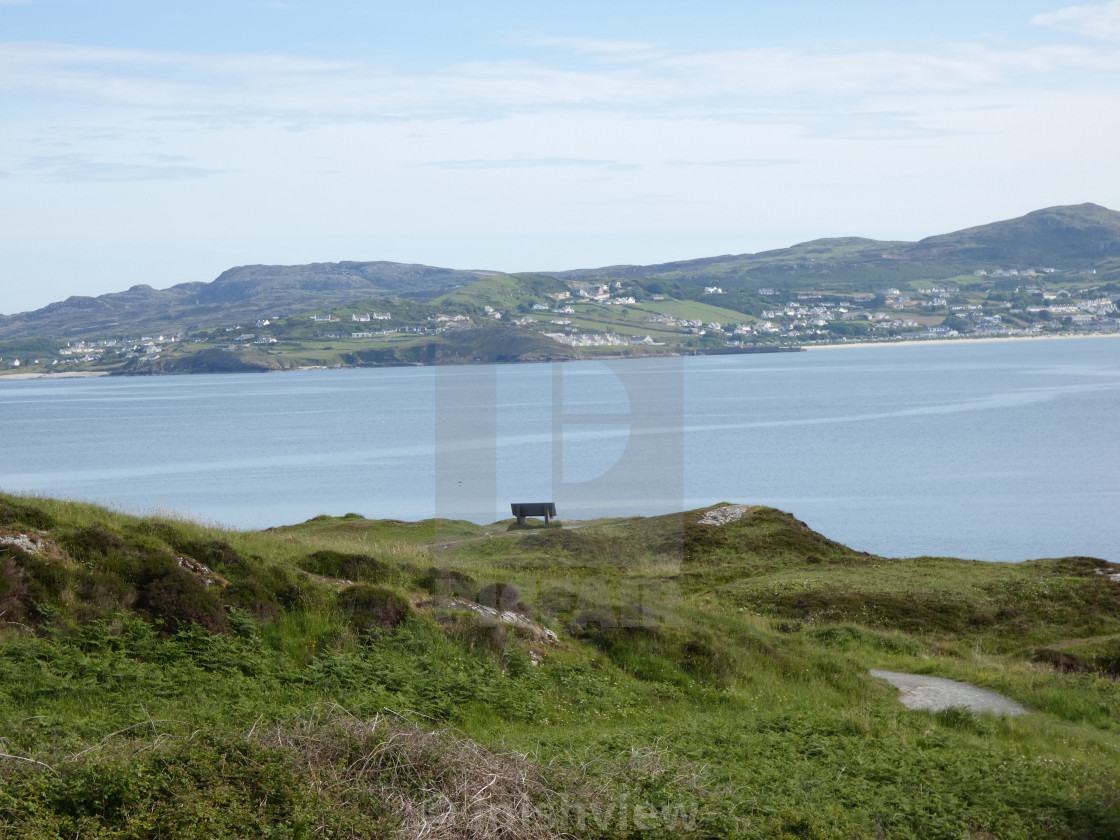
{"x": 1079, "y": 236}
{"x": 1069, "y": 239}
{"x": 245, "y": 293}
{"x": 503, "y": 292}
{"x": 656, "y": 677}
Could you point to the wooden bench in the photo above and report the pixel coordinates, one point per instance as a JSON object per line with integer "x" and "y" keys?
{"x": 523, "y": 509}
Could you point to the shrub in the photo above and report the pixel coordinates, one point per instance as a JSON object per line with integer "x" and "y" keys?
{"x": 14, "y": 513}
{"x": 662, "y": 654}
{"x": 373, "y": 606}
{"x": 253, "y": 596}
{"x": 500, "y": 596}
{"x": 265, "y": 590}
{"x": 139, "y": 567}
{"x": 701, "y": 658}
{"x": 559, "y": 600}
{"x": 448, "y": 583}
{"x": 30, "y": 583}
{"x": 90, "y": 543}
{"x": 101, "y": 594}
{"x": 470, "y": 630}
{"x": 336, "y": 564}
{"x": 217, "y": 554}
{"x": 593, "y": 620}
{"x": 179, "y": 598}
{"x": 13, "y": 590}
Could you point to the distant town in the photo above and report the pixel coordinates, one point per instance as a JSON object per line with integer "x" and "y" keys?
{"x": 623, "y": 316}
{"x": 1051, "y": 272}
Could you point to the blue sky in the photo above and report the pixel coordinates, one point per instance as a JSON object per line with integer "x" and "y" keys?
{"x": 164, "y": 142}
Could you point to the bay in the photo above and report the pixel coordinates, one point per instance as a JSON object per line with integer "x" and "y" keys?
{"x": 988, "y": 450}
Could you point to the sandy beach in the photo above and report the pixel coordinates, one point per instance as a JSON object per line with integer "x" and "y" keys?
{"x": 962, "y": 340}
{"x": 74, "y": 374}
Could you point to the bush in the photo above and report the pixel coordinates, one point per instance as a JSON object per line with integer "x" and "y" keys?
{"x": 253, "y": 596}
{"x": 500, "y": 596}
{"x": 559, "y": 600}
{"x": 179, "y": 598}
{"x": 91, "y": 543}
{"x": 470, "y": 630}
{"x": 29, "y": 584}
{"x": 13, "y": 590}
{"x": 335, "y": 564}
{"x": 448, "y": 583}
{"x": 14, "y": 513}
{"x": 218, "y": 555}
{"x": 373, "y": 606}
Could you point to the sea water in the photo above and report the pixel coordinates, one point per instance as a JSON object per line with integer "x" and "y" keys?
{"x": 988, "y": 450}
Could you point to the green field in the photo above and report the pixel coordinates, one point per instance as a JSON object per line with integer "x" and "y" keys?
{"x": 712, "y": 681}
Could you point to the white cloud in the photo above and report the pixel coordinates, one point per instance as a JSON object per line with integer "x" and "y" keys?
{"x": 735, "y": 162}
{"x": 309, "y": 91}
{"x": 600, "y": 48}
{"x": 1101, "y": 22}
{"x": 82, "y": 168}
{"x": 528, "y": 163}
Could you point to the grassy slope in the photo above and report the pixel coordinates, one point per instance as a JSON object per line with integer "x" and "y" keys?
{"x": 718, "y": 670}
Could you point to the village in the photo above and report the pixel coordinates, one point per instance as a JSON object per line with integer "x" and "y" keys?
{"x": 616, "y": 313}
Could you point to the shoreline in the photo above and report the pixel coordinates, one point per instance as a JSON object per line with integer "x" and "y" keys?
{"x": 75, "y": 374}
{"x": 961, "y": 340}
{"x": 752, "y": 350}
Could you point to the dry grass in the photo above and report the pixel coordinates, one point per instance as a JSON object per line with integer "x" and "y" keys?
{"x": 431, "y": 783}
{"x": 440, "y": 784}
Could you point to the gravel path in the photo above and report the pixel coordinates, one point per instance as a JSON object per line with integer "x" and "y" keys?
{"x": 936, "y": 693}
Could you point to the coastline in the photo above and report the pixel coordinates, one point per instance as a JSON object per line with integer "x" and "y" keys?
{"x": 754, "y": 349}
{"x": 74, "y": 374}
{"x": 962, "y": 340}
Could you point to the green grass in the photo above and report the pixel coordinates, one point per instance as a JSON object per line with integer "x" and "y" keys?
{"x": 502, "y": 292}
{"x": 692, "y": 310}
{"x": 708, "y": 681}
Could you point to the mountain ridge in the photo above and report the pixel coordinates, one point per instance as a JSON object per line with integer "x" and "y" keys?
{"x": 1070, "y": 236}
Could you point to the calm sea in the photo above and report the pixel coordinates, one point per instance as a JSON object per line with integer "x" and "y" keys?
{"x": 994, "y": 451}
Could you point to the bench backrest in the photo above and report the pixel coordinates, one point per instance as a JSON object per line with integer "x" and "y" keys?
{"x": 533, "y": 508}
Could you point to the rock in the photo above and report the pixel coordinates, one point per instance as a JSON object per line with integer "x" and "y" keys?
{"x": 540, "y": 632}
{"x": 23, "y": 542}
{"x": 724, "y": 514}
{"x": 935, "y": 694}
{"x": 200, "y": 571}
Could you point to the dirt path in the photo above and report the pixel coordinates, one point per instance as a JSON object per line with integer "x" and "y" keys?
{"x": 934, "y": 694}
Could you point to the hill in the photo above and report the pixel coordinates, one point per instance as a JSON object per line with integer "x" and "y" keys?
{"x": 244, "y": 293}
{"x": 703, "y": 674}
{"x": 1078, "y": 237}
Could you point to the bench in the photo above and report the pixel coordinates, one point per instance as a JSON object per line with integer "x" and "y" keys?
{"x": 523, "y": 509}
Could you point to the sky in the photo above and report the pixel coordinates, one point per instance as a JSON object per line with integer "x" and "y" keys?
{"x": 164, "y": 142}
